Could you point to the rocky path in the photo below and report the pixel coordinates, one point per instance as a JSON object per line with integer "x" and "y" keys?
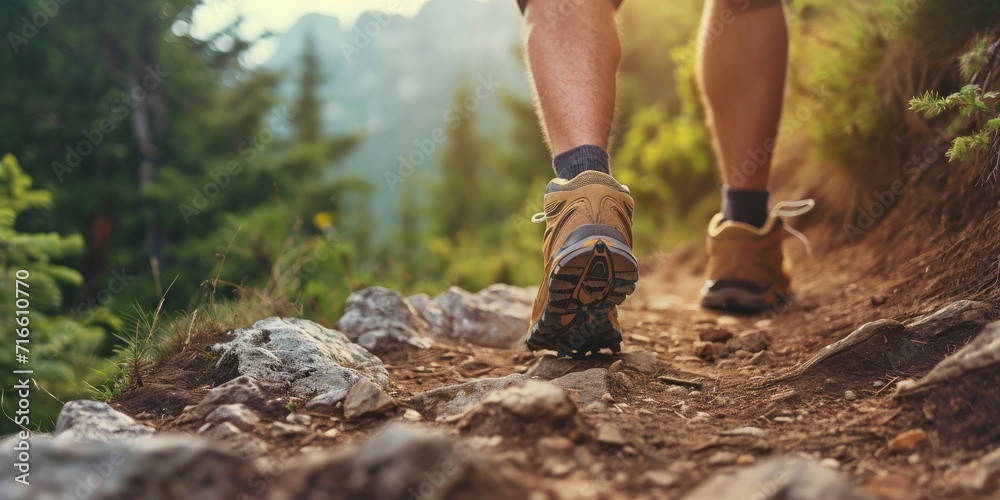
{"x": 852, "y": 391}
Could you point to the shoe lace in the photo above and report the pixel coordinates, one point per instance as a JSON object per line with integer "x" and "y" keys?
{"x": 783, "y": 209}
{"x": 788, "y": 209}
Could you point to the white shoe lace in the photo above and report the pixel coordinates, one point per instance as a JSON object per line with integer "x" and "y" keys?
{"x": 788, "y": 209}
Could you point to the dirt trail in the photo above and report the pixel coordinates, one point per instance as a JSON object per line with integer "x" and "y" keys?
{"x": 696, "y": 394}
{"x": 736, "y": 417}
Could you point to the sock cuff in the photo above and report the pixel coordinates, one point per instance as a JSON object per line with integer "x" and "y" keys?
{"x": 570, "y": 163}
{"x": 745, "y": 205}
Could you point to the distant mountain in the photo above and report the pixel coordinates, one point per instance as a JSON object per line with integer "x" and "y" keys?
{"x": 394, "y": 79}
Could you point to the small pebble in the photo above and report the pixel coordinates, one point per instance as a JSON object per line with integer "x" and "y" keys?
{"x": 661, "y": 478}
{"x": 298, "y": 418}
{"x": 831, "y": 463}
{"x": 850, "y": 396}
{"x": 878, "y": 383}
{"x": 907, "y": 441}
{"x": 723, "y": 458}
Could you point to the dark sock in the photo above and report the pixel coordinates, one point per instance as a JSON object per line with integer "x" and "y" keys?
{"x": 580, "y": 159}
{"x": 745, "y": 205}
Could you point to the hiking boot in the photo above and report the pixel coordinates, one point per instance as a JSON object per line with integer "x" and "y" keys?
{"x": 589, "y": 266}
{"x": 746, "y": 269}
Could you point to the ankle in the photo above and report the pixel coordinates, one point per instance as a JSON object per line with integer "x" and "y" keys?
{"x": 745, "y": 205}
{"x": 570, "y": 163}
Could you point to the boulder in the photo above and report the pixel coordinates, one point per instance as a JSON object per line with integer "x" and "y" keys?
{"x": 454, "y": 399}
{"x": 157, "y": 468}
{"x": 86, "y": 421}
{"x": 403, "y": 461}
{"x": 778, "y": 478}
{"x": 301, "y": 359}
{"x": 384, "y": 322}
{"x": 497, "y": 316}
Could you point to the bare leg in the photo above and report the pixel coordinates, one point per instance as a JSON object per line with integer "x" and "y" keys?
{"x": 573, "y": 51}
{"x": 743, "y": 58}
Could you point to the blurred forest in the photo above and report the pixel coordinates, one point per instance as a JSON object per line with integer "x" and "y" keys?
{"x": 145, "y": 165}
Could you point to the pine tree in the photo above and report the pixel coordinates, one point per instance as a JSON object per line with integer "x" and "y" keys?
{"x": 458, "y": 194}
{"x": 60, "y": 347}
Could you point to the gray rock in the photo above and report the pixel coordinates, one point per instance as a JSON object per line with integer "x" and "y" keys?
{"x": 281, "y": 429}
{"x": 237, "y": 414}
{"x": 301, "y": 359}
{"x": 157, "y": 468}
{"x": 365, "y": 398}
{"x": 384, "y": 322}
{"x": 298, "y": 419}
{"x": 549, "y": 367}
{"x": 231, "y": 438}
{"x": 437, "y": 320}
{"x": 587, "y": 386}
{"x": 641, "y": 361}
{"x": 86, "y": 421}
{"x": 241, "y": 390}
{"x": 784, "y": 478}
{"x": 454, "y": 399}
{"x": 495, "y": 317}
{"x": 512, "y": 296}
{"x": 400, "y": 462}
{"x": 535, "y": 400}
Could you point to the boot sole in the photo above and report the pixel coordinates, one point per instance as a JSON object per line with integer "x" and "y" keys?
{"x": 590, "y": 278}
{"x": 742, "y": 301}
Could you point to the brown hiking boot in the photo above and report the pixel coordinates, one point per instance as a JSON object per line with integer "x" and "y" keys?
{"x": 589, "y": 266}
{"x": 746, "y": 269}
